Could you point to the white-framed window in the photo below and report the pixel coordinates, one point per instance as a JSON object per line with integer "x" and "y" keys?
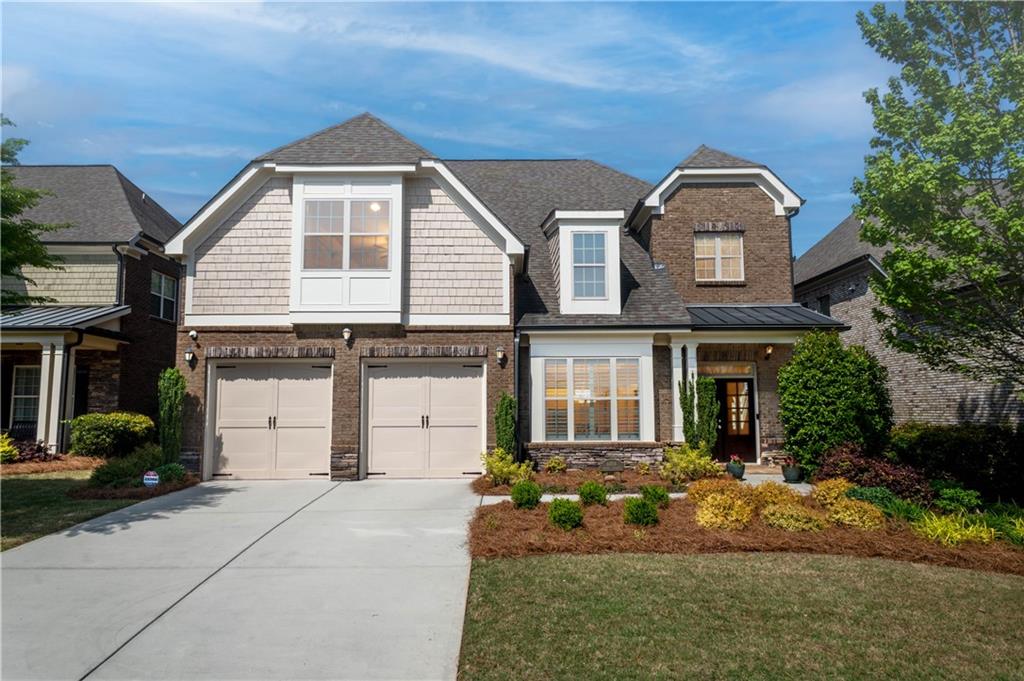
{"x": 25, "y": 394}
{"x": 346, "y": 234}
{"x": 589, "y": 266}
{"x": 163, "y": 296}
{"x": 718, "y": 256}
{"x": 592, "y": 399}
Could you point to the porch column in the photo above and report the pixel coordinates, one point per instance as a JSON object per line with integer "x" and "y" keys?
{"x": 50, "y": 374}
{"x": 68, "y": 390}
{"x": 677, "y": 378}
{"x": 691, "y": 369}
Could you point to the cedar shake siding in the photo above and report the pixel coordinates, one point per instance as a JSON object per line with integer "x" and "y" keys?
{"x": 452, "y": 267}
{"x": 767, "y": 267}
{"x": 919, "y": 393}
{"x": 244, "y": 266}
{"x": 81, "y": 280}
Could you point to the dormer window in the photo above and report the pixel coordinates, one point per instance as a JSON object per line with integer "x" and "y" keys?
{"x": 718, "y": 256}
{"x": 589, "y": 266}
{"x": 346, "y": 235}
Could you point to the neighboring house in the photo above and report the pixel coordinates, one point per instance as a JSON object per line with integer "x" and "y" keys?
{"x": 355, "y": 306}
{"x": 111, "y": 328}
{"x": 832, "y": 278}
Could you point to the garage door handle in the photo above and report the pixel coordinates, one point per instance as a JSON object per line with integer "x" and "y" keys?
{"x": 275, "y": 423}
{"x": 428, "y": 420}
{"x": 423, "y": 421}
{"x": 268, "y": 422}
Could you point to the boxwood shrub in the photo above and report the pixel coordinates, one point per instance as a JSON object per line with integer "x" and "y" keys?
{"x": 592, "y": 492}
{"x": 640, "y": 511}
{"x": 565, "y": 513}
{"x": 126, "y": 471}
{"x": 115, "y": 434}
{"x": 526, "y": 494}
{"x": 656, "y": 494}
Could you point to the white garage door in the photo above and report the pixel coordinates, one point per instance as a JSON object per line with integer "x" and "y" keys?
{"x": 272, "y": 421}
{"x": 425, "y": 420}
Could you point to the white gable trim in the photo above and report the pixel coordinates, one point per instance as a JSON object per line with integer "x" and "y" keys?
{"x": 786, "y": 200}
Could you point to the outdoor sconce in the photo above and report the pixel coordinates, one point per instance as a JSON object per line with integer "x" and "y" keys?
{"x": 768, "y": 350}
{"x": 190, "y": 358}
{"x": 346, "y": 335}
{"x": 499, "y": 352}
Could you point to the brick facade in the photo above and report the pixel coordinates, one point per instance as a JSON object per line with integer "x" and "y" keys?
{"x": 919, "y": 393}
{"x": 104, "y": 368}
{"x": 767, "y": 261}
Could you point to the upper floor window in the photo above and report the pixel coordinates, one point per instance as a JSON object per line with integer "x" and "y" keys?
{"x": 589, "y": 265}
{"x": 346, "y": 234}
{"x": 718, "y": 256}
{"x": 825, "y": 304}
{"x": 163, "y": 296}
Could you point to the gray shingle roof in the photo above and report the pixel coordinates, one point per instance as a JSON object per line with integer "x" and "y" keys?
{"x": 523, "y": 192}
{"x": 706, "y": 157}
{"x": 364, "y": 139}
{"x": 837, "y": 248}
{"x": 100, "y": 203}
{"x": 766, "y": 317}
{"x": 59, "y": 316}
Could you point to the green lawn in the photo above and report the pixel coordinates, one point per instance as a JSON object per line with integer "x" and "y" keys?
{"x": 738, "y": 616}
{"x": 35, "y": 505}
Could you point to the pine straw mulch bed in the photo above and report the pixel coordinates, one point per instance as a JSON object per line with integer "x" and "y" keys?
{"x": 569, "y": 481}
{"x": 65, "y": 463}
{"x": 502, "y": 531}
{"x": 132, "y": 492}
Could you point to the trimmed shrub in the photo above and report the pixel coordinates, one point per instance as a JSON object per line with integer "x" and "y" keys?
{"x": 848, "y": 461}
{"x": 957, "y": 500}
{"x": 830, "y": 394}
{"x": 8, "y": 452}
{"x": 505, "y": 423}
{"x": 555, "y": 464}
{"x": 640, "y": 511}
{"x": 171, "y": 472}
{"x": 526, "y": 494}
{"x": 115, "y": 434}
{"x": 565, "y": 513}
{"x": 724, "y": 512}
{"x": 879, "y": 496}
{"x": 684, "y": 463}
{"x": 171, "y": 394}
{"x": 793, "y": 518}
{"x": 592, "y": 492}
{"x": 853, "y": 513}
{"x": 502, "y": 470}
{"x": 952, "y": 530}
{"x": 126, "y": 471}
{"x": 772, "y": 493}
{"x": 830, "y": 492}
{"x": 702, "y": 489}
{"x": 643, "y": 468}
{"x": 656, "y": 494}
{"x": 982, "y": 457}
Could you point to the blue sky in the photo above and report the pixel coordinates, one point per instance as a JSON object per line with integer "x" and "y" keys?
{"x": 180, "y": 96}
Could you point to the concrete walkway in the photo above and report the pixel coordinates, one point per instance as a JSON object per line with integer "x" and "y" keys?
{"x": 258, "y": 580}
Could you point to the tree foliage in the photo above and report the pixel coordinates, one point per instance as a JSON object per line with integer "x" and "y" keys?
{"x": 171, "y": 397}
{"x": 830, "y": 395}
{"x": 505, "y": 423}
{"x": 700, "y": 423}
{"x": 19, "y": 236}
{"x": 943, "y": 186}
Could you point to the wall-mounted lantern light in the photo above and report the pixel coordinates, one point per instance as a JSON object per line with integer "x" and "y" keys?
{"x": 768, "y": 350}
{"x": 346, "y": 334}
{"x": 499, "y": 352}
{"x": 190, "y": 358}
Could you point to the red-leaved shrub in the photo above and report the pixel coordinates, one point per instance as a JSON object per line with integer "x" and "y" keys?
{"x": 848, "y": 461}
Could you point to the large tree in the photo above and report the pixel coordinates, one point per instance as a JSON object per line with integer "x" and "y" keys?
{"x": 943, "y": 186}
{"x": 19, "y": 236}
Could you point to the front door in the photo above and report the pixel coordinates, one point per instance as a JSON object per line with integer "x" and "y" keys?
{"x": 736, "y": 413}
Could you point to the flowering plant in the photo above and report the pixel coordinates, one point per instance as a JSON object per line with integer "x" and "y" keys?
{"x": 789, "y": 461}
{"x": 736, "y": 459}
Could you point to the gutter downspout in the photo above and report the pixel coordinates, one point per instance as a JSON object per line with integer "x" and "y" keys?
{"x": 515, "y": 388}
{"x": 118, "y": 294}
{"x": 69, "y": 352}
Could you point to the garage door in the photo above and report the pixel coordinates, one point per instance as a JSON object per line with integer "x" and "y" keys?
{"x": 272, "y": 421}
{"x": 425, "y": 420}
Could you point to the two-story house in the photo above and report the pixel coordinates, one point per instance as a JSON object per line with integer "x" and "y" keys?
{"x": 833, "y": 278}
{"x": 108, "y": 329}
{"x": 354, "y": 306}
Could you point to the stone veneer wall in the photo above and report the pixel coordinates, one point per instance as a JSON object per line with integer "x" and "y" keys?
{"x": 919, "y": 393}
{"x": 593, "y": 454}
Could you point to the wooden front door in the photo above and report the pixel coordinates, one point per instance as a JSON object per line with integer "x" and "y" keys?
{"x": 737, "y": 433}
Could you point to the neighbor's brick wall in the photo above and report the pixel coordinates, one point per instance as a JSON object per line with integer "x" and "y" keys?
{"x": 919, "y": 393}
{"x": 104, "y": 379}
{"x": 451, "y": 266}
{"x": 244, "y": 266}
{"x": 766, "y": 243}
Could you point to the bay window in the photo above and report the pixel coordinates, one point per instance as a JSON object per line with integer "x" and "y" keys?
{"x": 346, "y": 234}
{"x": 718, "y": 256}
{"x": 599, "y": 397}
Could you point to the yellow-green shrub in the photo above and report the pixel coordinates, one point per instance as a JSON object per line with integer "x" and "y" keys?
{"x": 503, "y": 470}
{"x": 952, "y": 530}
{"x": 724, "y": 512}
{"x": 555, "y": 464}
{"x": 118, "y": 433}
{"x": 8, "y": 452}
{"x": 771, "y": 493}
{"x": 853, "y": 513}
{"x": 793, "y": 517}
{"x": 831, "y": 491}
{"x": 702, "y": 489}
{"x": 684, "y": 463}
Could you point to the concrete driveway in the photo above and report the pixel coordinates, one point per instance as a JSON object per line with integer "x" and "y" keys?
{"x": 257, "y": 580}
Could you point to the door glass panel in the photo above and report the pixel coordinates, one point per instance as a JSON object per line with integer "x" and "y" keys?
{"x": 737, "y": 398}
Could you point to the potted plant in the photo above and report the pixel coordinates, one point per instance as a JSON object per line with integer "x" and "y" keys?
{"x": 790, "y": 470}
{"x": 735, "y": 467}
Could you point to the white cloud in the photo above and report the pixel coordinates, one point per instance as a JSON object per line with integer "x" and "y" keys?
{"x": 830, "y": 103}
{"x": 198, "y": 151}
